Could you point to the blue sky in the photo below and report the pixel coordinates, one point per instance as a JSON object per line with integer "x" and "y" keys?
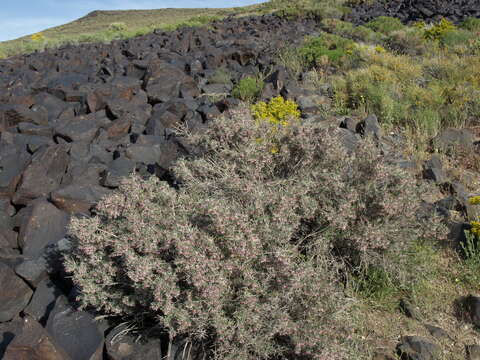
{"x": 23, "y": 17}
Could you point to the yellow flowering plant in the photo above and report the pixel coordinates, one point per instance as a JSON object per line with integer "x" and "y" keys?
{"x": 277, "y": 111}
{"x": 475, "y": 225}
{"x": 37, "y": 37}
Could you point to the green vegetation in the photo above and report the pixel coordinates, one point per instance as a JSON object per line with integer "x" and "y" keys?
{"x": 329, "y": 49}
{"x": 471, "y": 24}
{"x": 248, "y": 88}
{"x": 436, "y": 31}
{"x": 385, "y": 24}
{"x": 415, "y": 79}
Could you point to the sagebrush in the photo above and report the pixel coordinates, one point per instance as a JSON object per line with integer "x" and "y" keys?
{"x": 249, "y": 252}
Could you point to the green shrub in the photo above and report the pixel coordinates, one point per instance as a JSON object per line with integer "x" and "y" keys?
{"x": 248, "y": 88}
{"x": 337, "y": 50}
{"x": 385, "y": 24}
{"x": 471, "y": 24}
{"x": 456, "y": 38}
{"x": 348, "y": 30}
{"x": 241, "y": 254}
{"x": 117, "y": 26}
{"x": 435, "y": 32}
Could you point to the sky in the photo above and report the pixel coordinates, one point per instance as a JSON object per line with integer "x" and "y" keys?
{"x": 23, "y": 17}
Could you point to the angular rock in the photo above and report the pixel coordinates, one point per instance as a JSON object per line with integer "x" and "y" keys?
{"x": 43, "y": 301}
{"x": 43, "y": 175}
{"x": 12, "y": 163}
{"x": 32, "y": 341}
{"x": 32, "y": 270}
{"x": 75, "y": 331}
{"x": 369, "y": 126}
{"x": 472, "y": 305}
{"x": 78, "y": 128}
{"x": 41, "y": 224}
{"x": 417, "y": 348}
{"x": 78, "y": 198}
{"x": 14, "y": 293}
{"x": 118, "y": 169}
{"x": 437, "y": 332}
{"x": 32, "y": 129}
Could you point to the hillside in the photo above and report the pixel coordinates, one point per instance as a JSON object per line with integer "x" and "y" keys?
{"x": 97, "y": 26}
{"x": 297, "y": 183}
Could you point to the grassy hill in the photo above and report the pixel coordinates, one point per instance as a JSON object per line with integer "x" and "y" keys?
{"x": 104, "y": 26}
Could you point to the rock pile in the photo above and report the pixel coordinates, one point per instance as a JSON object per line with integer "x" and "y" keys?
{"x": 415, "y": 10}
{"x": 73, "y": 121}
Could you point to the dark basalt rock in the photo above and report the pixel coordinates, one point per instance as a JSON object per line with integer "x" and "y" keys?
{"x": 416, "y": 10}
{"x": 32, "y": 341}
{"x": 75, "y": 331}
{"x": 40, "y": 224}
{"x": 14, "y": 295}
{"x": 417, "y": 348}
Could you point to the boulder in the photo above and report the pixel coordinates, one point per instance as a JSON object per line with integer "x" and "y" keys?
{"x": 40, "y": 224}
{"x": 32, "y": 341}
{"x": 43, "y": 174}
{"x": 14, "y": 294}
{"x": 417, "y": 348}
{"x": 75, "y": 331}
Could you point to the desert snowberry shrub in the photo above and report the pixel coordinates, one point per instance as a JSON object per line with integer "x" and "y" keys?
{"x": 241, "y": 253}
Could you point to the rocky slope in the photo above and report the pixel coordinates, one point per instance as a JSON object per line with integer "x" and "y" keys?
{"x": 74, "y": 121}
{"x": 415, "y": 10}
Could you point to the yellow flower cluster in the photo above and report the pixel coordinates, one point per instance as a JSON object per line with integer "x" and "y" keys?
{"x": 475, "y": 200}
{"x": 475, "y": 230}
{"x": 37, "y": 37}
{"x": 380, "y": 49}
{"x": 277, "y": 111}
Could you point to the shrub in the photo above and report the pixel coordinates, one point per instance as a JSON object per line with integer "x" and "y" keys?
{"x": 248, "y": 88}
{"x": 277, "y": 112}
{"x": 338, "y": 50}
{"x": 408, "y": 41}
{"x": 241, "y": 253}
{"x": 435, "y": 32}
{"x": 456, "y": 38}
{"x": 471, "y": 24}
{"x": 347, "y": 29}
{"x": 117, "y": 27}
{"x": 385, "y": 24}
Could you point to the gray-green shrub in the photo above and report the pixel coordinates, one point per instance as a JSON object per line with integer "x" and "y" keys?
{"x": 248, "y": 88}
{"x": 241, "y": 253}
